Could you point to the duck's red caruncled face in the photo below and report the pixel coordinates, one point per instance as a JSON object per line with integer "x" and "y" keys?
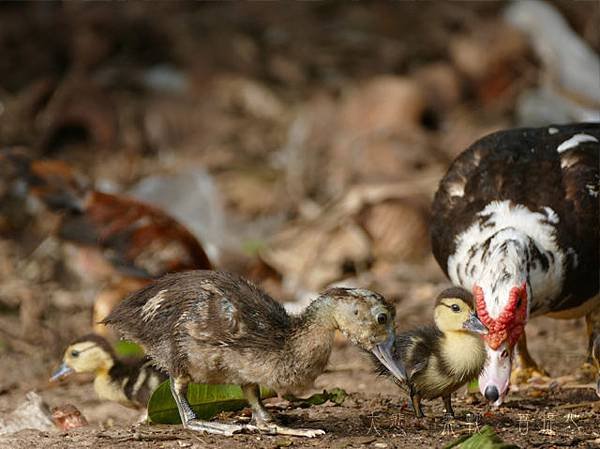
{"x": 509, "y": 325}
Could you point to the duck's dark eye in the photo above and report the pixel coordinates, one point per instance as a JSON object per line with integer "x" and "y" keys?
{"x": 455, "y": 307}
{"x": 355, "y": 311}
{"x": 382, "y": 318}
{"x": 74, "y": 353}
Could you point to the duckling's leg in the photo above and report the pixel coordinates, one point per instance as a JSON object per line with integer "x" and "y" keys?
{"x": 188, "y": 417}
{"x": 416, "y": 403}
{"x": 448, "y": 406}
{"x": 260, "y": 415}
{"x": 262, "y": 420}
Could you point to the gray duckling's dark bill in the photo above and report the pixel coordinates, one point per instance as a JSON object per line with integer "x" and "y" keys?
{"x": 63, "y": 371}
{"x": 383, "y": 352}
{"x": 473, "y": 324}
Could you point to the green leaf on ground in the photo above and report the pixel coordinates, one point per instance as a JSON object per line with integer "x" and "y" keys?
{"x": 128, "y": 349}
{"x": 336, "y": 395}
{"x": 473, "y": 386}
{"x": 486, "y": 438}
{"x": 206, "y": 401}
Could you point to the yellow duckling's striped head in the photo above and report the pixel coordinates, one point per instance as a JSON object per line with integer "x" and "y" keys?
{"x": 454, "y": 312}
{"x": 88, "y": 354}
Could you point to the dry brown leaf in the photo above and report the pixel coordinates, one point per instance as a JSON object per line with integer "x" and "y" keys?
{"x": 384, "y": 221}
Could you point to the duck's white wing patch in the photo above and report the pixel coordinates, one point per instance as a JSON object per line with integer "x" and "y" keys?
{"x": 574, "y": 141}
{"x": 551, "y": 215}
{"x": 153, "y": 304}
{"x": 456, "y": 189}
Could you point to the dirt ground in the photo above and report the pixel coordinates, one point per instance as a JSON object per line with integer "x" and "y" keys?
{"x": 375, "y": 415}
{"x": 324, "y": 127}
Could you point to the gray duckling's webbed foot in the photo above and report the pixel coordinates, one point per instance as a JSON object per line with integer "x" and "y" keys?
{"x": 188, "y": 417}
{"x": 217, "y": 428}
{"x": 276, "y": 429}
{"x": 263, "y": 422}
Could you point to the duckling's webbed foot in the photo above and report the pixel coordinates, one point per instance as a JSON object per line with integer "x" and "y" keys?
{"x": 276, "y": 429}
{"x": 263, "y": 422}
{"x": 188, "y": 417}
{"x": 214, "y": 427}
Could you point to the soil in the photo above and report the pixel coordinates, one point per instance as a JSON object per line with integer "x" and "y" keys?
{"x": 376, "y": 413}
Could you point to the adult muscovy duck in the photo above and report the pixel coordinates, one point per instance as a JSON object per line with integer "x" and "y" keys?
{"x": 515, "y": 220}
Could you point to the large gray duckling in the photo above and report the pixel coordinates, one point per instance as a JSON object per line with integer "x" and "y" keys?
{"x": 217, "y": 327}
{"x": 442, "y": 357}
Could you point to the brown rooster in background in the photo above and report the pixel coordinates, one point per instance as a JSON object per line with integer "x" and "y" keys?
{"x": 112, "y": 238}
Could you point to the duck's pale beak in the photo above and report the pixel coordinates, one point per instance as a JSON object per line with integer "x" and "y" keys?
{"x": 63, "y": 371}
{"x": 383, "y": 352}
{"x": 473, "y": 324}
{"x": 598, "y": 388}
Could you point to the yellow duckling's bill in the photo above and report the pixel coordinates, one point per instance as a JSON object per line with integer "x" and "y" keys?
{"x": 62, "y": 372}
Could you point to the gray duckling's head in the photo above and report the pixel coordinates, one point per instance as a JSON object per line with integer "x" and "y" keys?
{"x": 367, "y": 320}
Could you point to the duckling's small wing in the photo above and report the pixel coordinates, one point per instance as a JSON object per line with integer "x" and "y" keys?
{"x": 226, "y": 319}
{"x": 416, "y": 347}
{"x": 417, "y": 368}
{"x": 217, "y": 321}
{"x": 186, "y": 311}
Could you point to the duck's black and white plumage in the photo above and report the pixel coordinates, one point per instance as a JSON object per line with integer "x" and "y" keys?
{"x": 515, "y": 220}
{"x": 217, "y": 327}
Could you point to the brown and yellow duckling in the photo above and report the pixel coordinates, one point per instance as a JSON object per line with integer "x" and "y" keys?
{"x": 129, "y": 384}
{"x": 440, "y": 358}
{"x": 216, "y": 327}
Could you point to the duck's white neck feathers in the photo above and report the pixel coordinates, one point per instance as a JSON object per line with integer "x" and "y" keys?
{"x": 506, "y": 246}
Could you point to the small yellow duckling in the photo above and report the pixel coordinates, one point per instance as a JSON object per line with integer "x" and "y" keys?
{"x": 440, "y": 358}
{"x": 129, "y": 384}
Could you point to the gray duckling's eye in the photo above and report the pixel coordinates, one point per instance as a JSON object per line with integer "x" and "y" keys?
{"x": 455, "y": 307}
{"x": 74, "y": 353}
{"x": 382, "y": 318}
